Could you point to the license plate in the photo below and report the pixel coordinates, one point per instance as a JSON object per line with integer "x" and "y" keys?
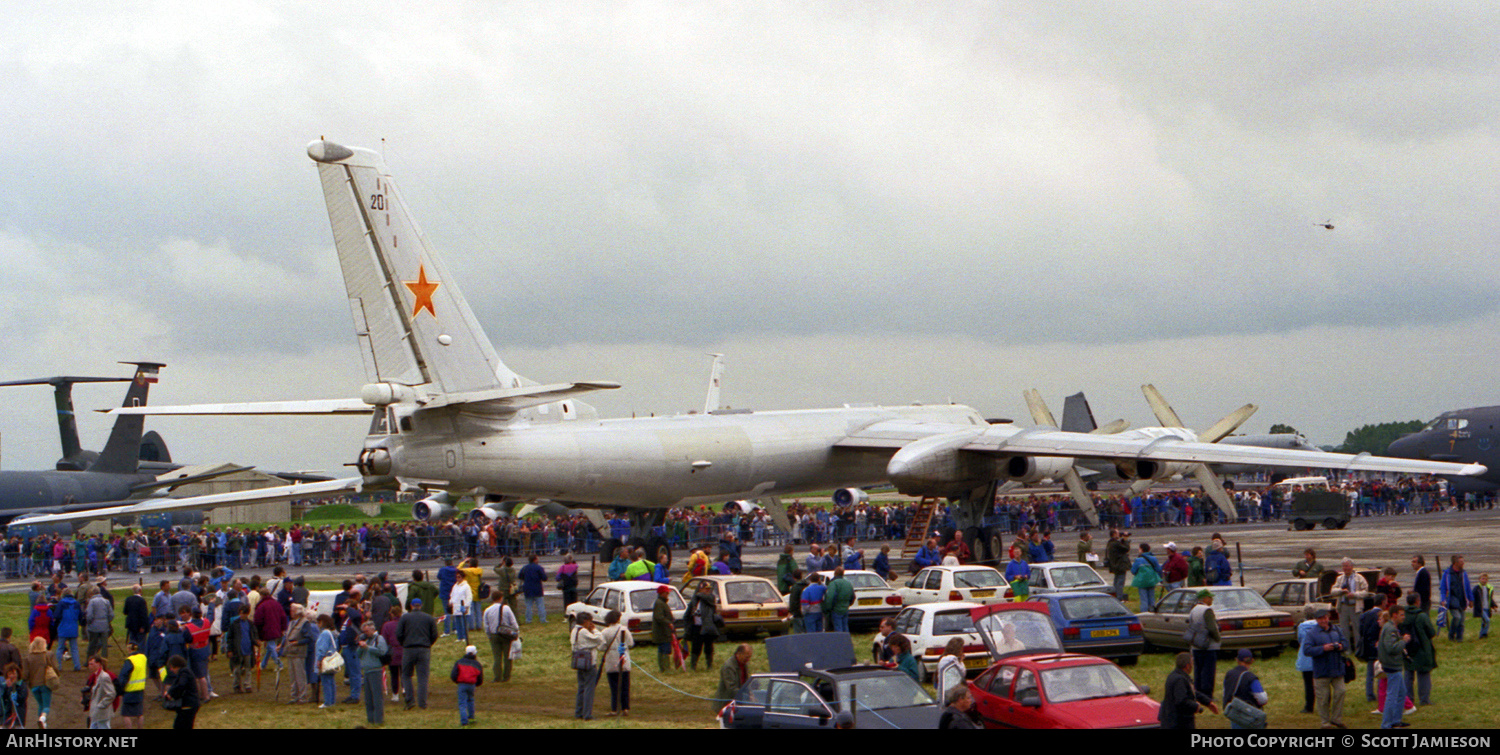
{"x": 870, "y": 601}
{"x": 757, "y": 614}
{"x": 976, "y": 663}
{"x": 1256, "y": 623}
{"x": 1105, "y": 633}
{"x": 982, "y": 594}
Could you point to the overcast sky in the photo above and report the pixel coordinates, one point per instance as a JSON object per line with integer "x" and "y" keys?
{"x": 869, "y": 203}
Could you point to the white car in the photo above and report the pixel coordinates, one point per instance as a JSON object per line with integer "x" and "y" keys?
{"x": 873, "y": 597}
{"x": 939, "y": 584}
{"x": 1066, "y": 576}
{"x": 634, "y": 599}
{"x": 930, "y": 626}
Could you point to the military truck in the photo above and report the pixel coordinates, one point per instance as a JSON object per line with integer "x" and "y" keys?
{"x": 1314, "y": 503}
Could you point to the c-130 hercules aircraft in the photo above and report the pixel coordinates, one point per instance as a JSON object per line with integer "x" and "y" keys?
{"x": 450, "y": 419}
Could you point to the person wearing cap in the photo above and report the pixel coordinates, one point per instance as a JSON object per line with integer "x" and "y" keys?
{"x": 1242, "y": 683}
{"x": 1326, "y": 645}
{"x": 371, "y": 653}
{"x": 1203, "y": 637}
{"x": 416, "y": 631}
{"x": 468, "y": 674}
{"x": 663, "y": 627}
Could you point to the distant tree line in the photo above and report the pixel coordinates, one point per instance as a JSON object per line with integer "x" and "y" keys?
{"x": 1375, "y": 439}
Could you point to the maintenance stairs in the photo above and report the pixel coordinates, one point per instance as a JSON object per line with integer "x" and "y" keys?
{"x": 916, "y": 529}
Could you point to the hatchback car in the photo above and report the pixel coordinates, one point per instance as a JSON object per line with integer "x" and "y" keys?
{"x": 1066, "y": 576}
{"x": 1094, "y": 623}
{"x": 1245, "y": 619}
{"x": 940, "y": 584}
{"x": 634, "y": 599}
{"x": 1034, "y": 684}
{"x": 746, "y": 604}
{"x": 930, "y": 626}
{"x": 877, "y": 698}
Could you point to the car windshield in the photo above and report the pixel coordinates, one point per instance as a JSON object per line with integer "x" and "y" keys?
{"x": 1239, "y": 600}
{"x": 882, "y": 692}
{"x": 867, "y": 582}
{"x": 978, "y": 578}
{"x": 642, "y": 601}
{"x": 953, "y": 622}
{"x": 750, "y": 591}
{"x": 1017, "y": 631}
{"x": 1074, "y": 576}
{"x": 1086, "y": 682}
{"x": 1092, "y": 607}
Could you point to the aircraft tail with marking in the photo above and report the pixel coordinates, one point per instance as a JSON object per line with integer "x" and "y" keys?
{"x": 414, "y": 326}
{"x": 122, "y": 454}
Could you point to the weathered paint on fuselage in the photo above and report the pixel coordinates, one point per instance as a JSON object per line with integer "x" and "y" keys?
{"x": 22, "y": 492}
{"x": 1462, "y": 435}
{"x": 651, "y": 461}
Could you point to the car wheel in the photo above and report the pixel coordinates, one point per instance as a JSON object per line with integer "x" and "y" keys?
{"x": 1270, "y": 653}
{"x": 1300, "y": 524}
{"x": 1343, "y": 524}
{"x": 1130, "y": 660}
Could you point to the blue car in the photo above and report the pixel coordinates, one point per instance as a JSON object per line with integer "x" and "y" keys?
{"x": 1095, "y": 623}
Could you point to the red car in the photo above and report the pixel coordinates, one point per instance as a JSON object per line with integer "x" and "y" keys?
{"x": 1034, "y": 684}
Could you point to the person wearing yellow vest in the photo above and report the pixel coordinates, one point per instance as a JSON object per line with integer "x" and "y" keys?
{"x": 697, "y": 565}
{"x": 133, "y": 702}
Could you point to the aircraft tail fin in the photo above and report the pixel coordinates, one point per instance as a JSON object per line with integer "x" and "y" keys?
{"x": 122, "y": 454}
{"x": 1077, "y": 417}
{"x": 414, "y": 326}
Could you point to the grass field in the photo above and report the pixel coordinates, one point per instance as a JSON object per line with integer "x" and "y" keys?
{"x": 541, "y": 692}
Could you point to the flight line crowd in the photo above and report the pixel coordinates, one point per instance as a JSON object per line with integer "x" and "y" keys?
{"x": 301, "y": 544}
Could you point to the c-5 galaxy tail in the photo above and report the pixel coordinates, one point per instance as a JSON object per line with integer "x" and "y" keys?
{"x": 122, "y": 453}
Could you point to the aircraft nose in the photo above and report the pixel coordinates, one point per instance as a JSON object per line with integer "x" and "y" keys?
{"x": 1404, "y": 447}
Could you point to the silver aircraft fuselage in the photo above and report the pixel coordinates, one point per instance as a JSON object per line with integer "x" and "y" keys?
{"x": 656, "y": 462}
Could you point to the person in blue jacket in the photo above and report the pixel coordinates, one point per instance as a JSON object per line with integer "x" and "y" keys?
{"x": 65, "y": 617}
{"x": 1216, "y": 568}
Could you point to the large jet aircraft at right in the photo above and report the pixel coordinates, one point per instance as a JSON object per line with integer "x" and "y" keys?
{"x": 1462, "y": 435}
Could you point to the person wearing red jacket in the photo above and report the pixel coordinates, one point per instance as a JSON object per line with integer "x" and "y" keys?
{"x": 270, "y": 623}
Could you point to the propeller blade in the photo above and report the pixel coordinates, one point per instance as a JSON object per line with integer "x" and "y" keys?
{"x": 1039, "y": 411}
{"x": 1227, "y": 425}
{"x": 1081, "y": 495}
{"x": 1164, "y": 413}
{"x": 1214, "y": 487}
{"x": 1138, "y": 487}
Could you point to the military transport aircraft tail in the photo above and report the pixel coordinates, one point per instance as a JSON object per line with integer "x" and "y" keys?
{"x": 122, "y": 453}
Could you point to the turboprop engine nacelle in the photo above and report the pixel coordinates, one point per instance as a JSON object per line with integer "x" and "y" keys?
{"x": 849, "y": 496}
{"x": 1148, "y": 469}
{"x": 436, "y": 507}
{"x": 938, "y": 466}
{"x": 1030, "y": 469}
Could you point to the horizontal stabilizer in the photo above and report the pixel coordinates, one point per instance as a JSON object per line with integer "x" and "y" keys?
{"x": 510, "y": 400}
{"x": 202, "y": 502}
{"x": 313, "y": 406}
{"x": 169, "y": 481}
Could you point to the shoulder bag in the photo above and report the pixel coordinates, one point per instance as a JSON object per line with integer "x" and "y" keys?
{"x": 1244, "y": 714}
{"x": 583, "y": 660}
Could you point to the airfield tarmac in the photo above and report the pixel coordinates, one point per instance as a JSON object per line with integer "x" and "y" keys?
{"x": 1268, "y": 551}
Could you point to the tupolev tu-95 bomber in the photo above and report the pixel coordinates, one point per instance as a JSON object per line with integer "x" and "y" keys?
{"x": 450, "y": 419}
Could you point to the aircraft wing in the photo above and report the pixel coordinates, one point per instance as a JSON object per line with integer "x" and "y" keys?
{"x": 200, "y": 503}
{"x": 314, "y": 406}
{"x": 510, "y": 400}
{"x": 1005, "y": 440}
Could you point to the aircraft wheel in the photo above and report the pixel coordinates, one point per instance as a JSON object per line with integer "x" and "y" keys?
{"x": 607, "y": 549}
{"x": 997, "y": 546}
{"x": 946, "y": 535}
{"x": 660, "y": 551}
{"x": 973, "y": 538}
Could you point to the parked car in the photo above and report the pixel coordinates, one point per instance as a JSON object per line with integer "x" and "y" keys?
{"x": 1295, "y": 595}
{"x": 634, "y": 599}
{"x": 746, "y": 604}
{"x": 930, "y": 626}
{"x": 1096, "y": 623}
{"x": 942, "y": 584}
{"x": 1034, "y": 684}
{"x": 1246, "y": 620}
{"x": 1066, "y": 576}
{"x": 873, "y": 597}
{"x": 812, "y": 679}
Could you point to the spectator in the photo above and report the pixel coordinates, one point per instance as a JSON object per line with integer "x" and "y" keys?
{"x": 297, "y": 644}
{"x": 1308, "y": 567}
{"x": 468, "y": 674}
{"x": 837, "y": 598}
{"x": 1182, "y": 700}
{"x": 393, "y": 664}
{"x": 182, "y": 690}
{"x": 137, "y": 617}
{"x": 703, "y": 623}
{"x": 38, "y": 661}
{"x": 1203, "y": 640}
{"x": 533, "y": 576}
{"x": 100, "y": 615}
{"x": 1242, "y": 683}
{"x": 133, "y": 699}
{"x": 1392, "y": 646}
{"x": 1351, "y": 589}
{"x": 1175, "y": 571}
{"x": 1117, "y": 559}
{"x": 959, "y": 712}
{"x": 1147, "y": 573}
{"x": 1457, "y": 592}
{"x": 812, "y": 603}
{"x": 101, "y": 693}
{"x": 585, "y": 643}
{"x": 13, "y": 699}
{"x": 617, "y": 644}
{"x": 901, "y": 654}
{"x": 1326, "y": 645}
{"x": 1484, "y": 606}
{"x": 325, "y": 651}
{"x": 415, "y": 632}
{"x": 65, "y": 617}
{"x": 371, "y": 654}
{"x": 1420, "y": 650}
{"x": 567, "y": 580}
{"x": 950, "y": 668}
{"x": 1421, "y": 584}
{"x": 663, "y": 628}
{"x": 242, "y": 641}
{"x": 732, "y": 675}
{"x": 461, "y": 599}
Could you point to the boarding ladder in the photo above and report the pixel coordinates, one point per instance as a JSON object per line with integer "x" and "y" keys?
{"x": 916, "y": 529}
